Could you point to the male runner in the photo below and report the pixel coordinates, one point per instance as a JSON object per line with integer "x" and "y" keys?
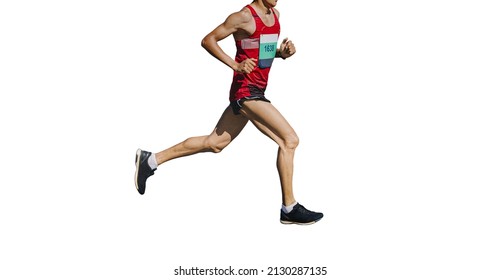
{"x": 255, "y": 29}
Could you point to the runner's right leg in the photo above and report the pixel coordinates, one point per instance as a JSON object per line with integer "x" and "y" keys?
{"x": 270, "y": 122}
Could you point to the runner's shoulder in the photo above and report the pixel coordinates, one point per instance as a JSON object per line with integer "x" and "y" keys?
{"x": 240, "y": 19}
{"x": 245, "y": 14}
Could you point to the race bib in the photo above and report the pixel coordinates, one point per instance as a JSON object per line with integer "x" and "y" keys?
{"x": 267, "y": 49}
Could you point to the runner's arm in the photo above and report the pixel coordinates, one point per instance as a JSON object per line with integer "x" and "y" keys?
{"x": 286, "y": 49}
{"x": 231, "y": 25}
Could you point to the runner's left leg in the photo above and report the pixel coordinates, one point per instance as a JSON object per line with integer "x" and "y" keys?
{"x": 226, "y": 130}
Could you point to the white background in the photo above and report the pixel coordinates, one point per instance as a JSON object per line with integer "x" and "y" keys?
{"x": 396, "y": 104}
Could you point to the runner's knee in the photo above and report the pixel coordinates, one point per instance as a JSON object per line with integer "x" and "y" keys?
{"x": 291, "y": 141}
{"x": 217, "y": 145}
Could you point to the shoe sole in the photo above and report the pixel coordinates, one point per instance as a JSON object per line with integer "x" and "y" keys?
{"x": 296, "y": 223}
{"x": 138, "y": 160}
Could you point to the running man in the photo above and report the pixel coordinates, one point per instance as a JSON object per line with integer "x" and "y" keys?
{"x": 255, "y": 29}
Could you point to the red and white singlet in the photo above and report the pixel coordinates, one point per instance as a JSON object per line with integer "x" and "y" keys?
{"x": 261, "y": 45}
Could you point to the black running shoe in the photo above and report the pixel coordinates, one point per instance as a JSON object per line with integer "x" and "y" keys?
{"x": 143, "y": 170}
{"x": 300, "y": 215}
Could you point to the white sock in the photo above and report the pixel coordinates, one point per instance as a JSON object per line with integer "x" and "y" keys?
{"x": 288, "y": 209}
{"x": 152, "y": 161}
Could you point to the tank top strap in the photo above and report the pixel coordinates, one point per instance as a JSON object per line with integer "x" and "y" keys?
{"x": 253, "y": 12}
{"x": 275, "y": 15}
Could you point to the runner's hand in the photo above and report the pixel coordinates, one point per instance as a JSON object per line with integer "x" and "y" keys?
{"x": 287, "y": 48}
{"x": 246, "y": 66}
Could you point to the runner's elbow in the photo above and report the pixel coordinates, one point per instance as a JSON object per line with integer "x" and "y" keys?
{"x": 205, "y": 42}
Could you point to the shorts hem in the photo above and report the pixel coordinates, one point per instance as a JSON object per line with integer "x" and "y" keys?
{"x": 236, "y": 105}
